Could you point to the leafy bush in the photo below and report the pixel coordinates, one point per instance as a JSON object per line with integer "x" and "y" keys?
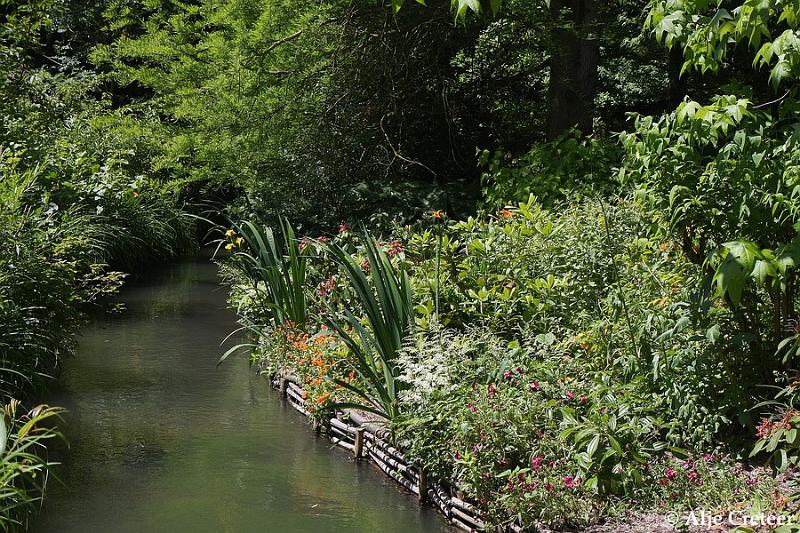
{"x": 567, "y": 168}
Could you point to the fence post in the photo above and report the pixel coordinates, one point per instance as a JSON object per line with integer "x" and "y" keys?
{"x": 358, "y": 445}
{"x": 284, "y": 386}
{"x": 423, "y": 484}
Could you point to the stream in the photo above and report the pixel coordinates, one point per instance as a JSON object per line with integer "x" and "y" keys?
{"x": 161, "y": 439}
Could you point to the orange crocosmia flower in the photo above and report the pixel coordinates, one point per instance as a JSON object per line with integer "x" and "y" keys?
{"x": 438, "y": 215}
{"x": 505, "y": 213}
{"x": 323, "y": 398}
{"x": 305, "y": 395}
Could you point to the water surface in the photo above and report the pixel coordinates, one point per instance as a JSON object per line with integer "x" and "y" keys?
{"x": 164, "y": 440}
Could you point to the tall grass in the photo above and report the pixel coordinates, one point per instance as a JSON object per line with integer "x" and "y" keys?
{"x": 275, "y": 260}
{"x": 24, "y": 470}
{"x": 277, "y": 268}
{"x": 384, "y": 296}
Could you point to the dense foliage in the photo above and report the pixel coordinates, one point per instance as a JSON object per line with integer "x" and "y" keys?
{"x": 563, "y": 320}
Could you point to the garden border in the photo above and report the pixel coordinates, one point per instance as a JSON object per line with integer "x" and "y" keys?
{"x": 368, "y": 440}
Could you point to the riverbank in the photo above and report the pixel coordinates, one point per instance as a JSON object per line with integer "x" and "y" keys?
{"x": 509, "y": 394}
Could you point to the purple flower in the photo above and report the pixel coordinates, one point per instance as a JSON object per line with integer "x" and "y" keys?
{"x": 570, "y": 394}
{"x": 534, "y": 386}
{"x": 536, "y": 462}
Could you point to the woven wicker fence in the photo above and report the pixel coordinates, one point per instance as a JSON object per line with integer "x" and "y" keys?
{"x": 367, "y": 440}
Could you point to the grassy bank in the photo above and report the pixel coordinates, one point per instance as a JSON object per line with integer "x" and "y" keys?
{"x": 58, "y": 255}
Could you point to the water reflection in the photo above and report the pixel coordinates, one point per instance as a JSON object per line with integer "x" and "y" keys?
{"x": 163, "y": 440}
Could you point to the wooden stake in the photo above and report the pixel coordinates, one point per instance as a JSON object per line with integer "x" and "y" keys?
{"x": 423, "y": 484}
{"x": 358, "y": 447}
{"x": 284, "y": 386}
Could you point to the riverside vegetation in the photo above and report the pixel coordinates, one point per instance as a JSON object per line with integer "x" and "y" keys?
{"x": 553, "y": 245}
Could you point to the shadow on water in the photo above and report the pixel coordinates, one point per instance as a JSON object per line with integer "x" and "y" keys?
{"x": 161, "y": 439}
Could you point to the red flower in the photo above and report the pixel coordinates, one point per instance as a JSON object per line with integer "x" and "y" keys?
{"x": 536, "y": 463}
{"x": 570, "y": 394}
{"x": 492, "y": 390}
{"x": 343, "y": 227}
{"x": 534, "y": 386}
{"x": 395, "y": 248}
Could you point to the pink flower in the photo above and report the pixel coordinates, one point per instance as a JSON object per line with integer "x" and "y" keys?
{"x": 570, "y": 481}
{"x": 492, "y": 390}
{"x": 507, "y": 374}
{"x": 582, "y": 398}
{"x": 548, "y": 487}
{"x": 670, "y": 473}
{"x": 750, "y": 481}
{"x": 472, "y": 408}
{"x": 519, "y": 370}
{"x": 536, "y": 463}
{"x": 694, "y": 477}
{"x": 570, "y": 394}
{"x": 344, "y": 226}
{"x": 327, "y": 286}
{"x": 534, "y": 386}
{"x": 458, "y": 456}
{"x": 324, "y": 239}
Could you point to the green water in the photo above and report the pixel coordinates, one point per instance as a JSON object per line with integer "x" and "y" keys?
{"x": 161, "y": 439}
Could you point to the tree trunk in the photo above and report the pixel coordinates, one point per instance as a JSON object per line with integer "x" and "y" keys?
{"x": 677, "y": 83}
{"x": 573, "y": 66}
